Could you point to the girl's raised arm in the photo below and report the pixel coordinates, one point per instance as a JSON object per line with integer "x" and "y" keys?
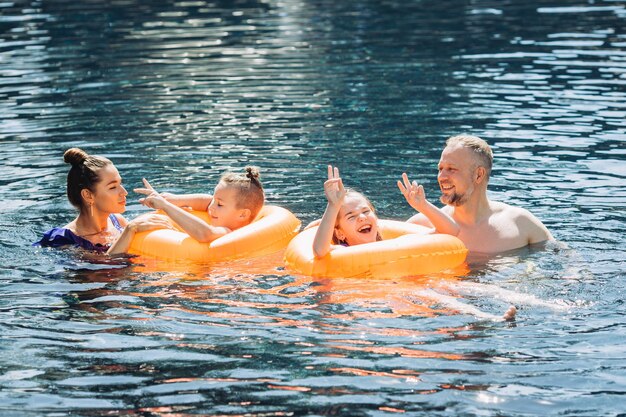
{"x": 199, "y": 201}
{"x": 335, "y": 193}
{"x": 192, "y": 225}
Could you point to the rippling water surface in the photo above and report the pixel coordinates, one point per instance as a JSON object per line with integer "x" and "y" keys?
{"x": 178, "y": 92}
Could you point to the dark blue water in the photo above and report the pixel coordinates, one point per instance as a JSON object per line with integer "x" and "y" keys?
{"x": 178, "y": 92}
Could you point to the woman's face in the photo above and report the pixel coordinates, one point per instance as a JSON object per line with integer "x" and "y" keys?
{"x": 109, "y": 195}
{"x": 357, "y": 223}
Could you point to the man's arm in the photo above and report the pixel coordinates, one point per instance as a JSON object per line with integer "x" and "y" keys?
{"x": 534, "y": 230}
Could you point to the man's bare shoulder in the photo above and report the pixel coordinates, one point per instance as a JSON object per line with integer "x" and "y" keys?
{"x": 512, "y": 212}
{"x": 527, "y": 224}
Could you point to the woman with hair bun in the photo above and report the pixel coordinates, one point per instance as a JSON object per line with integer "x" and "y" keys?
{"x": 94, "y": 187}
{"x": 236, "y": 202}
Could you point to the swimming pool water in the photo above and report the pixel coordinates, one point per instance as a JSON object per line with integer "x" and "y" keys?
{"x": 179, "y": 91}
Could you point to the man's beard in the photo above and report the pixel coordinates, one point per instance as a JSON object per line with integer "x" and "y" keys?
{"x": 454, "y": 199}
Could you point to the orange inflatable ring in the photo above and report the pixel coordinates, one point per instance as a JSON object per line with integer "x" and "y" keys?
{"x": 405, "y": 250}
{"x": 270, "y": 232}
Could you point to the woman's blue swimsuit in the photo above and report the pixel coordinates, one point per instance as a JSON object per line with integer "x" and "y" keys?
{"x": 60, "y": 236}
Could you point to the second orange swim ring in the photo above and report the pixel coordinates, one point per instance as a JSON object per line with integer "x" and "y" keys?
{"x": 405, "y": 250}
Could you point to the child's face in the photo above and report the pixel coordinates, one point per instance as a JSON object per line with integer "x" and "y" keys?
{"x": 223, "y": 208}
{"x": 357, "y": 222}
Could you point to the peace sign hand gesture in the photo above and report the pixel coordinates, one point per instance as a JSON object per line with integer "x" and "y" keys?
{"x": 154, "y": 199}
{"x": 413, "y": 193}
{"x": 333, "y": 187}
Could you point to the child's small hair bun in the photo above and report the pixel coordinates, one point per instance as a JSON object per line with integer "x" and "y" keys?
{"x": 252, "y": 172}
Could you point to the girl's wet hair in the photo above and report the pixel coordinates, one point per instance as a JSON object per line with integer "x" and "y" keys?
{"x": 250, "y": 194}
{"x": 351, "y": 191}
{"x": 84, "y": 173}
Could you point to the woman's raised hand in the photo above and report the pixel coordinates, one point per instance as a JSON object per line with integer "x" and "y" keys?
{"x": 150, "y": 221}
{"x": 413, "y": 192}
{"x": 333, "y": 187}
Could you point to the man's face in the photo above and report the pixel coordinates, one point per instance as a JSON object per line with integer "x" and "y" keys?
{"x": 457, "y": 167}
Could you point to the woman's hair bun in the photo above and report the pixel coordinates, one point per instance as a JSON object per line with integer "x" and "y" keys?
{"x": 75, "y": 156}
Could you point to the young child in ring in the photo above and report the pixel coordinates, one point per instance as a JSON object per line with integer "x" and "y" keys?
{"x": 350, "y": 218}
{"x": 236, "y": 201}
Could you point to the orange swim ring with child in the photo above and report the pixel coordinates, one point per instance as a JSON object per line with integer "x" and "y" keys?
{"x": 403, "y": 251}
{"x": 351, "y": 241}
{"x": 270, "y": 232}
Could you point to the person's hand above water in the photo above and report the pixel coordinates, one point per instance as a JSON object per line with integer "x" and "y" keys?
{"x": 153, "y": 199}
{"x": 150, "y": 221}
{"x": 333, "y": 187}
{"x": 413, "y": 192}
{"x": 198, "y": 202}
{"x": 143, "y": 223}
